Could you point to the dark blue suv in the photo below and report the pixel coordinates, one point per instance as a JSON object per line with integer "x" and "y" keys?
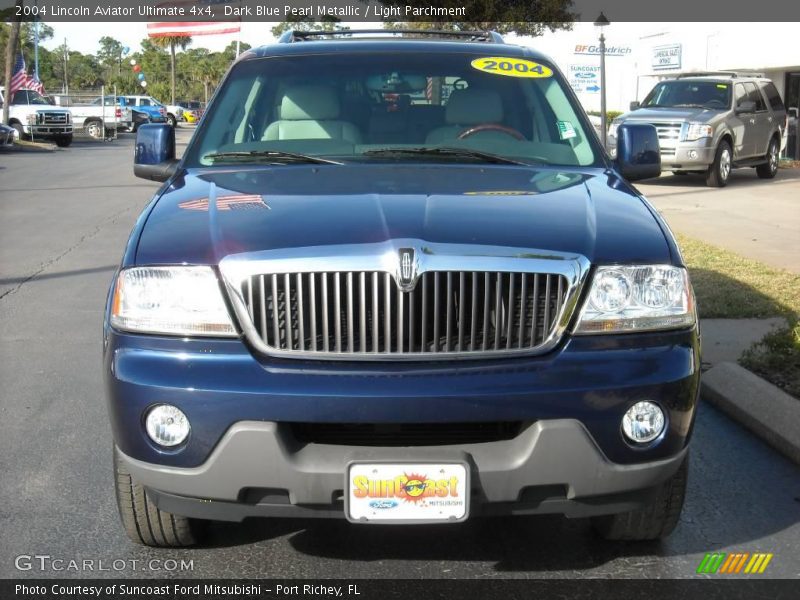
{"x": 395, "y": 278}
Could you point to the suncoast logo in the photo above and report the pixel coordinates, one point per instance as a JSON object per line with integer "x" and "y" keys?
{"x": 736, "y": 563}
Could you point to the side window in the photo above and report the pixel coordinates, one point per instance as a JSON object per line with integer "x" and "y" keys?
{"x": 20, "y": 97}
{"x": 755, "y": 96}
{"x": 773, "y": 97}
{"x": 739, "y": 94}
{"x": 144, "y": 102}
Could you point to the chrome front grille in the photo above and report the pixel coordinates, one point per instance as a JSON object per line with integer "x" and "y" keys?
{"x": 52, "y": 118}
{"x": 366, "y": 312}
{"x": 669, "y": 134}
{"x": 403, "y": 300}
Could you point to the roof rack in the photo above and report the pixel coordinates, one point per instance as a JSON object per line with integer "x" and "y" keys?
{"x": 292, "y": 36}
{"x": 731, "y": 74}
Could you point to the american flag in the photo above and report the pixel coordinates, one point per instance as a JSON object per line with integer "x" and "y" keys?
{"x": 35, "y": 84}
{"x": 192, "y": 28}
{"x": 19, "y": 78}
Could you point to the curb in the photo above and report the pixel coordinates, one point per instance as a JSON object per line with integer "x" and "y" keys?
{"x": 766, "y": 410}
{"x": 32, "y": 147}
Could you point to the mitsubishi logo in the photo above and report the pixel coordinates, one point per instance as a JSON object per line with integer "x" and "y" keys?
{"x": 407, "y": 273}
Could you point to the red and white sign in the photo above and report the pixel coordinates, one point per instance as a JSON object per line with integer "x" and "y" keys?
{"x": 192, "y": 28}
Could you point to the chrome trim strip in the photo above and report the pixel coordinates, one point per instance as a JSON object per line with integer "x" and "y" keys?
{"x": 382, "y": 257}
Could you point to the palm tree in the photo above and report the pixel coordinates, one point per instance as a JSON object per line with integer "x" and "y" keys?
{"x": 171, "y": 41}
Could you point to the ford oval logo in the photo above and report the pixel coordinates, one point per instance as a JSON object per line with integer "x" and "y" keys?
{"x": 383, "y": 504}
{"x": 585, "y": 75}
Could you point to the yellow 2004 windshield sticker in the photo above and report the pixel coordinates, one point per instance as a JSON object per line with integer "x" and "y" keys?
{"x": 511, "y": 67}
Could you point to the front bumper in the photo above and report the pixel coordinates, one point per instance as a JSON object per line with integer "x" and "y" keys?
{"x": 685, "y": 156}
{"x": 570, "y": 456}
{"x": 256, "y": 470}
{"x": 47, "y": 130}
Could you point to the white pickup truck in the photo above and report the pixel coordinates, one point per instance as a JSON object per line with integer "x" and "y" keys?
{"x": 90, "y": 117}
{"x": 34, "y": 117}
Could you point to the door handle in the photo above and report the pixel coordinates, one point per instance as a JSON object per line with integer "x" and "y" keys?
{"x": 752, "y": 121}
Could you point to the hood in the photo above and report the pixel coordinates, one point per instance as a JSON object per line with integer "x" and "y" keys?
{"x": 700, "y": 115}
{"x": 205, "y": 215}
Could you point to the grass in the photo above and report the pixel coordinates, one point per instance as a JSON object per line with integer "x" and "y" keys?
{"x": 733, "y": 287}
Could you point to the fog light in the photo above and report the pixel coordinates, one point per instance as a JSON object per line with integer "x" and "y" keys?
{"x": 167, "y": 425}
{"x": 692, "y": 153}
{"x": 643, "y": 422}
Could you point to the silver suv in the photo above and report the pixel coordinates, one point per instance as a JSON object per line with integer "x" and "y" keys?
{"x": 713, "y": 122}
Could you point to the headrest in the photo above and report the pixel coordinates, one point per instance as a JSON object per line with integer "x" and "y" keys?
{"x": 473, "y": 106}
{"x": 309, "y": 102}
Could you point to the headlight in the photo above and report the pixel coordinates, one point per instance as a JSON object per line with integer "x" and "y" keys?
{"x": 637, "y": 298}
{"x": 31, "y": 118}
{"x": 170, "y": 300}
{"x": 612, "y": 129}
{"x": 698, "y": 131}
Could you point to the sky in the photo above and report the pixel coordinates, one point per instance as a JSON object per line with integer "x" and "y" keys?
{"x": 82, "y": 36}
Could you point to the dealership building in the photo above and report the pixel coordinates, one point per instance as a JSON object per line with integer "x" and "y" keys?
{"x": 640, "y": 54}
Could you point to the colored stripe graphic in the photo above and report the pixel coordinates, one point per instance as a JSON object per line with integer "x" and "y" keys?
{"x": 711, "y": 562}
{"x": 758, "y": 564}
{"x": 722, "y": 562}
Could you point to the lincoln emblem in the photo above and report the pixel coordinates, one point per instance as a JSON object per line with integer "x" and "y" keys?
{"x": 408, "y": 268}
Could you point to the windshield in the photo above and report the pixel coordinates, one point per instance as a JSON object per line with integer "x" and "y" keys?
{"x": 394, "y": 107}
{"x": 693, "y": 94}
{"x": 29, "y": 97}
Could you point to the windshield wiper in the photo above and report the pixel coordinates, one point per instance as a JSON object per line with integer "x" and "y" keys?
{"x": 277, "y": 157}
{"x": 447, "y": 151}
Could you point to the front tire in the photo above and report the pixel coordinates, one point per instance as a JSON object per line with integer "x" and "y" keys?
{"x": 20, "y": 131}
{"x": 63, "y": 141}
{"x": 172, "y": 120}
{"x": 770, "y": 168}
{"x": 720, "y": 170}
{"x": 144, "y": 522}
{"x": 653, "y": 521}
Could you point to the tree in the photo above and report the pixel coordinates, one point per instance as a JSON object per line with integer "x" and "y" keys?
{"x": 11, "y": 51}
{"x": 302, "y": 24}
{"x": 171, "y": 41}
{"x": 523, "y": 17}
{"x": 110, "y": 55}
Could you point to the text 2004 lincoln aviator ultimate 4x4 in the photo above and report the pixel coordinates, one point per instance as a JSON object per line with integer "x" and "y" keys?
{"x": 397, "y": 280}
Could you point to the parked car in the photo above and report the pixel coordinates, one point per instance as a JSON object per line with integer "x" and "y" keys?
{"x": 91, "y": 117}
{"x": 713, "y": 123}
{"x": 34, "y": 117}
{"x": 156, "y": 111}
{"x": 460, "y": 307}
{"x": 192, "y": 111}
{"x": 7, "y": 135}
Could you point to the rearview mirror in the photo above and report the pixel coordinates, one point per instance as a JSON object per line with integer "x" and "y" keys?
{"x": 638, "y": 155}
{"x": 154, "y": 153}
{"x": 635, "y": 104}
{"x": 746, "y": 106}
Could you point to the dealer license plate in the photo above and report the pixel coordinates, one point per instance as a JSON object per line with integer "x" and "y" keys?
{"x": 407, "y": 492}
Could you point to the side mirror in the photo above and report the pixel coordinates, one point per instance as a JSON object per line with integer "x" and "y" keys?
{"x": 154, "y": 153}
{"x": 638, "y": 154}
{"x": 746, "y": 106}
{"x": 793, "y": 112}
{"x": 635, "y": 104}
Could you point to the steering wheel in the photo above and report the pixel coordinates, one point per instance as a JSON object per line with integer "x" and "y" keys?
{"x": 714, "y": 101}
{"x": 491, "y": 127}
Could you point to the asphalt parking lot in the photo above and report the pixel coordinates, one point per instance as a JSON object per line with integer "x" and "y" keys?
{"x": 65, "y": 219}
